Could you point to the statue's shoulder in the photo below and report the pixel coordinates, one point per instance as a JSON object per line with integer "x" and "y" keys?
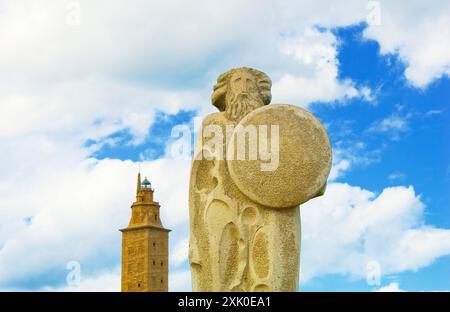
{"x": 215, "y": 119}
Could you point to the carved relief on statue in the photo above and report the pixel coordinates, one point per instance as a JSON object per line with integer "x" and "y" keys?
{"x": 253, "y": 165}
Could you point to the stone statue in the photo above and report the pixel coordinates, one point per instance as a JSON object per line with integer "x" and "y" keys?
{"x": 253, "y": 165}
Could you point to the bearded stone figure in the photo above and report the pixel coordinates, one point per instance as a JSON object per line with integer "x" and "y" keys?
{"x": 253, "y": 165}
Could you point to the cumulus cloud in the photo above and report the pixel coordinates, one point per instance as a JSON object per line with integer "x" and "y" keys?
{"x": 40, "y": 42}
{"x": 76, "y": 214}
{"x": 105, "y": 281}
{"x": 180, "y": 253}
{"x": 409, "y": 29}
{"x": 338, "y": 169}
{"x": 391, "y": 123}
{"x": 356, "y": 227}
{"x": 396, "y": 176}
{"x": 110, "y": 282}
{"x": 348, "y": 154}
{"x": 316, "y": 53}
{"x": 87, "y": 109}
{"x": 180, "y": 281}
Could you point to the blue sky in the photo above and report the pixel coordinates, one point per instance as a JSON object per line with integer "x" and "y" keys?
{"x": 419, "y": 156}
{"x": 89, "y": 95}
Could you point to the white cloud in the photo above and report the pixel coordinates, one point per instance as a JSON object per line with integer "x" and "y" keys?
{"x": 368, "y": 95}
{"x": 86, "y": 109}
{"x": 105, "y": 282}
{"x": 110, "y": 282}
{"x": 417, "y": 32}
{"x": 338, "y": 168}
{"x": 144, "y": 41}
{"x": 394, "y": 126}
{"x": 180, "y": 252}
{"x": 433, "y": 112}
{"x": 397, "y": 176}
{"x": 392, "y": 287}
{"x": 395, "y": 287}
{"x": 77, "y": 212}
{"x": 391, "y": 123}
{"x": 316, "y": 54}
{"x": 347, "y": 154}
{"x": 117, "y": 38}
{"x": 180, "y": 281}
{"x": 355, "y": 226}
{"x": 61, "y": 85}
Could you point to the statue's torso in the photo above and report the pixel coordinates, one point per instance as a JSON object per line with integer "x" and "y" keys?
{"x": 237, "y": 244}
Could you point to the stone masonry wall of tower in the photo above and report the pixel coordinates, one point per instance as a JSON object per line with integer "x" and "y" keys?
{"x": 145, "y": 245}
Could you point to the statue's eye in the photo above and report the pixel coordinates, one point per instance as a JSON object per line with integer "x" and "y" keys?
{"x": 251, "y": 85}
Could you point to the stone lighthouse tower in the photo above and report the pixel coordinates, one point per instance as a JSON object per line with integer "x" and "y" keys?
{"x": 145, "y": 244}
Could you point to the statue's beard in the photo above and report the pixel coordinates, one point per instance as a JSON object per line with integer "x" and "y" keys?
{"x": 240, "y": 104}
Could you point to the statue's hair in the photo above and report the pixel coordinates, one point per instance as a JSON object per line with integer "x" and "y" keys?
{"x": 220, "y": 88}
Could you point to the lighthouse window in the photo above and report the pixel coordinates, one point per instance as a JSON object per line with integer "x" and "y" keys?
{"x": 161, "y": 281}
{"x": 156, "y": 217}
{"x": 153, "y": 262}
{"x": 161, "y": 263}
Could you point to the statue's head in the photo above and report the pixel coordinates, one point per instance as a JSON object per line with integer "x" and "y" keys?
{"x": 240, "y": 91}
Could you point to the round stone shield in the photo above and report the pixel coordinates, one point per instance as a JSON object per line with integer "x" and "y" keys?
{"x": 293, "y": 156}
